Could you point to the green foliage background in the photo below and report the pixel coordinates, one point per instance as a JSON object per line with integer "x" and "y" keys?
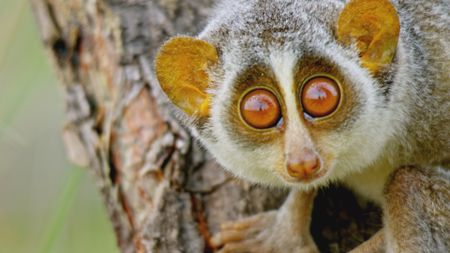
{"x": 46, "y": 205}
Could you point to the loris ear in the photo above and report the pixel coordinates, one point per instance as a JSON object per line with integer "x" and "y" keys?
{"x": 374, "y": 26}
{"x": 181, "y": 69}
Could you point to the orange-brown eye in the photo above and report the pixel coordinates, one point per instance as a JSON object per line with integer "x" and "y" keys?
{"x": 320, "y": 97}
{"x": 260, "y": 109}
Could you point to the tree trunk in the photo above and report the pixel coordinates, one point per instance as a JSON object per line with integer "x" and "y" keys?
{"x": 162, "y": 192}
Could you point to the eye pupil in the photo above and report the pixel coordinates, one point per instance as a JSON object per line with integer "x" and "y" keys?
{"x": 260, "y": 109}
{"x": 320, "y": 97}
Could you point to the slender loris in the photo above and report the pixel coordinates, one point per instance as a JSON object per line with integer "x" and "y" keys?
{"x": 302, "y": 93}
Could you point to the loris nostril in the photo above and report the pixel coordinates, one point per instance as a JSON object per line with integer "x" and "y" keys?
{"x": 303, "y": 167}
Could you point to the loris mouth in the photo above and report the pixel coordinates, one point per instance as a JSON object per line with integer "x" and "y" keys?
{"x": 305, "y": 178}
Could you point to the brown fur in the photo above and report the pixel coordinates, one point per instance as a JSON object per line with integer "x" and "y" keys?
{"x": 417, "y": 210}
{"x": 343, "y": 117}
{"x": 255, "y": 76}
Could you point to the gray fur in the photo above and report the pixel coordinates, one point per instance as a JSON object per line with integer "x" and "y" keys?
{"x": 404, "y": 117}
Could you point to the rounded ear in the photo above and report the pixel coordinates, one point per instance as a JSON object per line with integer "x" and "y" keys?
{"x": 374, "y": 26}
{"x": 181, "y": 69}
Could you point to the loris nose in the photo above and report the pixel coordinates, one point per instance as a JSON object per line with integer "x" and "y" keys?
{"x": 302, "y": 165}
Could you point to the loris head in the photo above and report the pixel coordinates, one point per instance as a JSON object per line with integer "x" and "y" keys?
{"x": 286, "y": 92}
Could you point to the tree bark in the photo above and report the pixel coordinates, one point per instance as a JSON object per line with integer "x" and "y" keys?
{"x": 163, "y": 193}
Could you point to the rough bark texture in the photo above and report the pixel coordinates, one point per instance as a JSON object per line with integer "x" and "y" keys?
{"x": 162, "y": 192}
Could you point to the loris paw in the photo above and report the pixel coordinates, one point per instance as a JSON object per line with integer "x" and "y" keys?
{"x": 263, "y": 233}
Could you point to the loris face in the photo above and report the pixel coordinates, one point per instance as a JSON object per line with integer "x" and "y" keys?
{"x": 285, "y": 92}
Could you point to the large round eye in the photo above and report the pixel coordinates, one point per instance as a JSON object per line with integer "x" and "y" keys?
{"x": 320, "y": 97}
{"x": 260, "y": 109}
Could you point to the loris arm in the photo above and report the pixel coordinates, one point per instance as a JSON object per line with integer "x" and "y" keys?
{"x": 417, "y": 210}
{"x": 416, "y": 216}
{"x": 283, "y": 230}
{"x": 416, "y": 213}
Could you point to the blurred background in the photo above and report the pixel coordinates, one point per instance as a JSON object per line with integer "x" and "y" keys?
{"x": 46, "y": 204}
